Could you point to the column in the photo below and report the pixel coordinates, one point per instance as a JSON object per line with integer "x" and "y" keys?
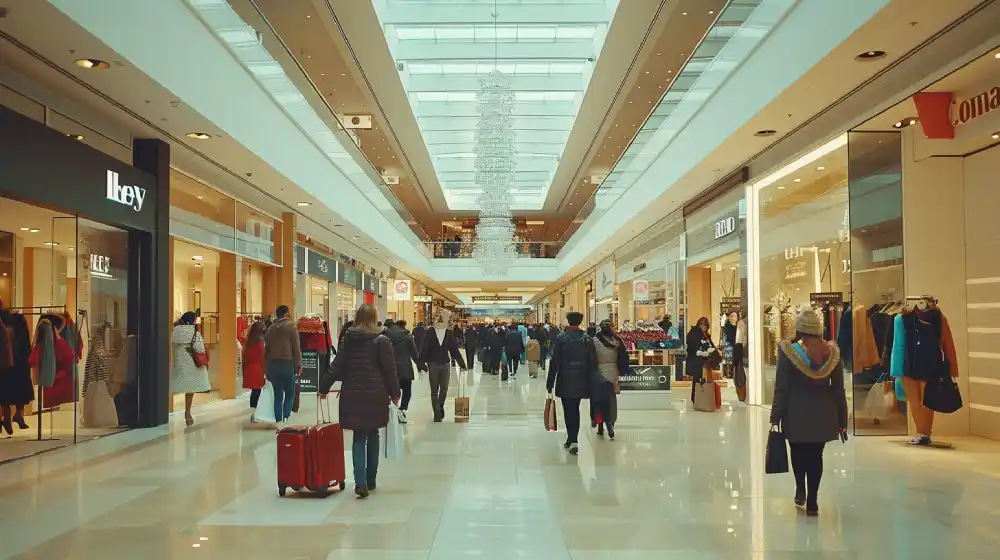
{"x": 286, "y": 276}
{"x": 269, "y": 289}
{"x": 226, "y": 303}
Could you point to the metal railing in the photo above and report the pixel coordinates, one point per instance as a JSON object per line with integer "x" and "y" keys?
{"x": 464, "y": 249}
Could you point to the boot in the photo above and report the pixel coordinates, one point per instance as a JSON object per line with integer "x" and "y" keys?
{"x": 21, "y": 424}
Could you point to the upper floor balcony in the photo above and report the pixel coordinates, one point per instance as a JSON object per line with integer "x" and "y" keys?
{"x": 524, "y": 249}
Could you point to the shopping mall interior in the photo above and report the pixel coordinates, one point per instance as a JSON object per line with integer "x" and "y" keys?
{"x": 751, "y": 241}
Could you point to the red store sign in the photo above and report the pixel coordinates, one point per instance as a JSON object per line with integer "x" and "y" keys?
{"x": 940, "y": 112}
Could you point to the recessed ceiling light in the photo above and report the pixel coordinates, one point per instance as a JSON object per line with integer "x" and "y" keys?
{"x": 684, "y": 13}
{"x": 869, "y": 56}
{"x": 25, "y": 229}
{"x": 75, "y": 136}
{"x": 92, "y": 64}
{"x": 198, "y": 135}
{"x": 781, "y": 188}
{"x": 796, "y": 180}
{"x": 303, "y": 204}
{"x": 70, "y": 248}
{"x": 997, "y": 56}
{"x": 820, "y": 168}
{"x": 34, "y": 230}
{"x": 905, "y": 122}
{"x": 356, "y": 238}
{"x": 996, "y": 135}
{"x": 197, "y": 258}
{"x": 52, "y": 243}
{"x": 765, "y": 133}
{"x": 197, "y": 264}
{"x": 710, "y": 12}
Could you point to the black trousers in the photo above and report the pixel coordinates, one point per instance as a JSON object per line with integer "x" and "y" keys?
{"x": 512, "y": 362}
{"x": 406, "y": 386}
{"x": 470, "y": 357}
{"x": 254, "y": 397}
{"x": 571, "y": 417}
{"x": 807, "y": 464}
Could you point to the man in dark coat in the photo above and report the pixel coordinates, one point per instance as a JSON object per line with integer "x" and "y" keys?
{"x": 573, "y": 367}
{"x": 439, "y": 349}
{"x": 513, "y": 345}
{"x": 494, "y": 349}
{"x": 471, "y": 343}
{"x": 404, "y": 351}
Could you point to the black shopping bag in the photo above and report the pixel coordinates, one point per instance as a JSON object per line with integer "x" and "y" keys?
{"x": 776, "y": 456}
{"x": 942, "y": 394}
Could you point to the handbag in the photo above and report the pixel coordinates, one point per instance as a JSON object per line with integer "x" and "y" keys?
{"x": 551, "y": 420}
{"x": 776, "y": 455}
{"x": 942, "y": 394}
{"x": 200, "y": 358}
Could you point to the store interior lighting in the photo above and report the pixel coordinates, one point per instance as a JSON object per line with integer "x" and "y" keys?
{"x": 809, "y": 158}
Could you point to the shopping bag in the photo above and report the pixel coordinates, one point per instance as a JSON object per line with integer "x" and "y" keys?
{"x": 99, "y": 409}
{"x": 551, "y": 420}
{"x": 704, "y": 396}
{"x": 718, "y": 395}
{"x": 776, "y": 455}
{"x": 461, "y": 401}
{"x": 265, "y": 404}
{"x": 391, "y": 441}
{"x": 875, "y": 403}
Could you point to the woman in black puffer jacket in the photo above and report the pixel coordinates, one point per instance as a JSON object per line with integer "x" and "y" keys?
{"x": 367, "y": 369}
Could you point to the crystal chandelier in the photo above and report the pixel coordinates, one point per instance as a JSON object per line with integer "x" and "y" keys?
{"x": 494, "y": 165}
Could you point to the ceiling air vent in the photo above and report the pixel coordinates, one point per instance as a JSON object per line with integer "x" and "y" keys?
{"x": 391, "y": 179}
{"x": 362, "y": 122}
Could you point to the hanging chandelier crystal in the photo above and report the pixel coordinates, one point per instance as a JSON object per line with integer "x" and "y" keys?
{"x": 494, "y": 150}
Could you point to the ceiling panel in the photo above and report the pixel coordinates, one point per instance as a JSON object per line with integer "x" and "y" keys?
{"x": 443, "y": 48}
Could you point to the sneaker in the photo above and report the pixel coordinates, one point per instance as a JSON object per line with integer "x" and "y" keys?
{"x": 921, "y": 439}
{"x": 800, "y": 497}
{"x": 812, "y": 510}
{"x": 574, "y": 449}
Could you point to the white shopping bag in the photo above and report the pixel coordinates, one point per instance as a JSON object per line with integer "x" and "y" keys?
{"x": 391, "y": 440}
{"x": 877, "y": 406}
{"x": 265, "y": 404}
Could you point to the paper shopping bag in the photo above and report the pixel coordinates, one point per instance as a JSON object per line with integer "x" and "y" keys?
{"x": 551, "y": 421}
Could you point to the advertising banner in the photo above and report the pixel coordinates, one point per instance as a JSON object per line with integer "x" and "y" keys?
{"x": 640, "y": 290}
{"x": 401, "y": 290}
{"x": 647, "y": 378}
{"x": 604, "y": 283}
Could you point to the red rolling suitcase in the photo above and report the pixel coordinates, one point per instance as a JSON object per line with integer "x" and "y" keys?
{"x": 311, "y": 457}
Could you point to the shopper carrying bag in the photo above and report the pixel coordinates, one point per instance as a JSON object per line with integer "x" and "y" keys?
{"x": 550, "y": 416}
{"x": 392, "y": 435}
{"x": 776, "y": 456}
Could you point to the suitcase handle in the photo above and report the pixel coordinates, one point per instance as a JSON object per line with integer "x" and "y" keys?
{"x": 323, "y": 413}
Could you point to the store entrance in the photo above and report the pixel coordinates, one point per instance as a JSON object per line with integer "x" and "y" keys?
{"x": 64, "y": 302}
{"x": 714, "y": 288}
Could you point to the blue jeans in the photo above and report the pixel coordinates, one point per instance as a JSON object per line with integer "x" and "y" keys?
{"x": 365, "y": 452}
{"x": 281, "y": 374}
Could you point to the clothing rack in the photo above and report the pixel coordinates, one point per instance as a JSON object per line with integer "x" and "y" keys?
{"x": 40, "y": 310}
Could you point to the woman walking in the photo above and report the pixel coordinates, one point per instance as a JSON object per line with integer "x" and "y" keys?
{"x": 612, "y": 362}
{"x": 253, "y": 365}
{"x": 809, "y": 404}
{"x": 701, "y": 351}
{"x": 187, "y": 376}
{"x": 366, "y": 366}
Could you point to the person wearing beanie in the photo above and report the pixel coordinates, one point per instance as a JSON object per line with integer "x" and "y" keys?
{"x": 809, "y": 405}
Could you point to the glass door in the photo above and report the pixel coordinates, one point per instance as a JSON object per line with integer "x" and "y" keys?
{"x": 53, "y": 319}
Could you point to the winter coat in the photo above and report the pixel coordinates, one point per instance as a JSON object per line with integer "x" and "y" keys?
{"x": 573, "y": 365}
{"x": 471, "y": 338}
{"x": 418, "y": 337}
{"x": 16, "y": 387}
{"x": 695, "y": 364}
{"x": 809, "y": 401}
{"x": 514, "y": 343}
{"x": 404, "y": 351}
{"x": 253, "y": 366}
{"x": 185, "y": 376}
{"x": 366, "y": 367}
{"x": 612, "y": 360}
{"x": 43, "y": 353}
{"x": 281, "y": 342}
{"x": 440, "y": 351}
{"x": 533, "y": 351}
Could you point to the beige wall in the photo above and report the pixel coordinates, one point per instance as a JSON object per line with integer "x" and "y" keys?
{"x": 934, "y": 210}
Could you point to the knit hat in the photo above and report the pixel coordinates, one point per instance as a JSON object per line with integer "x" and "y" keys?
{"x": 808, "y": 322}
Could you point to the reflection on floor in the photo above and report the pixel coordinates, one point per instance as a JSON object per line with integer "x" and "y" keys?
{"x": 58, "y": 430}
{"x": 676, "y": 485}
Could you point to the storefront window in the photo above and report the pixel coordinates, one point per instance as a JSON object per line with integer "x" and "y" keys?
{"x": 201, "y": 214}
{"x": 196, "y": 288}
{"x": 804, "y": 251}
{"x": 255, "y": 235}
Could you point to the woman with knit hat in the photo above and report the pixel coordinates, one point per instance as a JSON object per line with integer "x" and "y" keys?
{"x": 809, "y": 404}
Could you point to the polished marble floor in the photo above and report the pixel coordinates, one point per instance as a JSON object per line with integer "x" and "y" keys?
{"x": 676, "y": 485}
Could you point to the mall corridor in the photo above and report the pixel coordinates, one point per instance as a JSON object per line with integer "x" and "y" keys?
{"x": 675, "y": 485}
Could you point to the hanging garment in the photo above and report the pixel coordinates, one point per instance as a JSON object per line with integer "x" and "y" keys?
{"x": 43, "y": 357}
{"x": 16, "y": 388}
{"x": 865, "y": 350}
{"x": 62, "y": 389}
{"x": 96, "y": 368}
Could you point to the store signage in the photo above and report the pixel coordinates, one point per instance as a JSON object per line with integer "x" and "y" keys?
{"x": 309, "y": 381}
{"x": 975, "y": 106}
{"x": 401, "y": 290}
{"x": 725, "y": 226}
{"x": 639, "y": 267}
{"x": 349, "y": 275}
{"x": 321, "y": 266}
{"x": 492, "y": 299}
{"x": 605, "y": 281}
{"x": 730, "y": 304}
{"x": 100, "y": 266}
{"x": 124, "y": 194}
{"x": 646, "y": 378}
{"x": 423, "y": 299}
{"x": 370, "y": 283}
{"x": 826, "y": 298}
{"x": 499, "y": 312}
{"x": 640, "y": 290}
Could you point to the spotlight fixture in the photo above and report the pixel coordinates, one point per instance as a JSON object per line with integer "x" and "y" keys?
{"x": 303, "y": 204}
{"x": 908, "y": 121}
{"x": 198, "y": 135}
{"x": 198, "y": 265}
{"x": 869, "y": 56}
{"x": 25, "y": 229}
{"x": 796, "y": 180}
{"x": 996, "y": 135}
{"x": 75, "y": 136}
{"x": 70, "y": 248}
{"x": 997, "y": 56}
{"x": 765, "y": 133}
{"x": 820, "y": 168}
{"x": 92, "y": 64}
{"x": 356, "y": 238}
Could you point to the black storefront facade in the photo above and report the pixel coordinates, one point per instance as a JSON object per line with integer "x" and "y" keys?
{"x": 107, "y": 199}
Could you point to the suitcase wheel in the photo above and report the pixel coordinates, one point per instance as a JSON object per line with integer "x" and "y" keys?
{"x": 281, "y": 489}
{"x": 323, "y": 490}
{"x": 296, "y": 488}
{"x": 342, "y": 485}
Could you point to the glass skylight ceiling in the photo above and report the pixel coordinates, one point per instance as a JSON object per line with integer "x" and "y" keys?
{"x": 443, "y": 47}
{"x": 740, "y": 28}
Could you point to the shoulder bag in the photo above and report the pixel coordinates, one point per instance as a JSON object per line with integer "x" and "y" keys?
{"x": 200, "y": 358}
